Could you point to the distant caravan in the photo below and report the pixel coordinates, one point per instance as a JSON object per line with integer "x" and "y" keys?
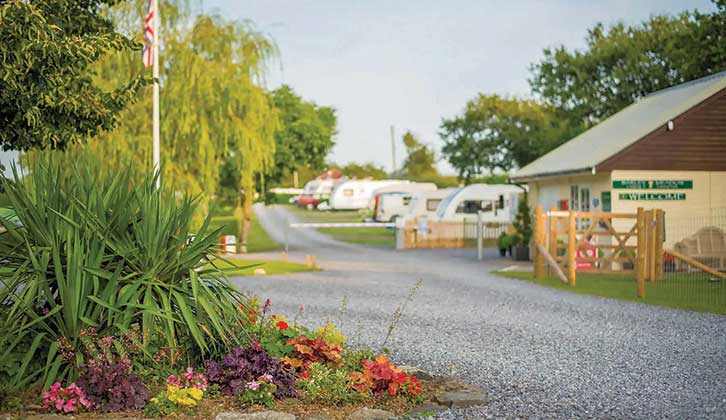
{"x": 497, "y": 203}
{"x": 425, "y": 203}
{"x": 355, "y": 194}
{"x": 392, "y": 202}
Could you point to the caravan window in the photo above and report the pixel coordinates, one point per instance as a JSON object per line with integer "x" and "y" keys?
{"x": 432, "y": 204}
{"x": 348, "y": 192}
{"x": 487, "y": 206}
{"x": 469, "y": 206}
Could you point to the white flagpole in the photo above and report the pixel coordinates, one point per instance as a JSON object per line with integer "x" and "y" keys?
{"x": 155, "y": 53}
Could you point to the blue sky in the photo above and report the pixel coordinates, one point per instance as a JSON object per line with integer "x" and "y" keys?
{"x": 411, "y": 63}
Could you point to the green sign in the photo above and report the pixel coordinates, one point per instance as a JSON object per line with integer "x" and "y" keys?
{"x": 656, "y": 184}
{"x": 653, "y": 196}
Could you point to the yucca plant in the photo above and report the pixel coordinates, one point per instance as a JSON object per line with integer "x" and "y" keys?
{"x": 109, "y": 253}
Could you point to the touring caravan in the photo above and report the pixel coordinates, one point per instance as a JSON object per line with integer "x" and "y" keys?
{"x": 425, "y": 203}
{"x": 316, "y": 191}
{"x": 390, "y": 203}
{"x": 354, "y": 194}
{"x": 497, "y": 202}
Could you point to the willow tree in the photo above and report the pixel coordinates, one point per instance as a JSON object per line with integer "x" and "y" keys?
{"x": 213, "y": 106}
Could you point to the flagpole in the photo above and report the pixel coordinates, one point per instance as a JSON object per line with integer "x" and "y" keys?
{"x": 155, "y": 55}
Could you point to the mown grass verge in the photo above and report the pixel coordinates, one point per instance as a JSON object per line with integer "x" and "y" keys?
{"x": 676, "y": 290}
{"x": 234, "y": 267}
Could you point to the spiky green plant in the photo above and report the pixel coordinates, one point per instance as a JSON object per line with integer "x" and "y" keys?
{"x": 109, "y": 253}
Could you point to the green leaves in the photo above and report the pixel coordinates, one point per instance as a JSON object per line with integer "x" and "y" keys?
{"x": 109, "y": 253}
{"x": 47, "y": 97}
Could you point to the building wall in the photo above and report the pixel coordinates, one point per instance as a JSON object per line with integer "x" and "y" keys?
{"x": 704, "y": 203}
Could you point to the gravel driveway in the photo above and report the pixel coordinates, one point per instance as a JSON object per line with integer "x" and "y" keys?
{"x": 539, "y": 352}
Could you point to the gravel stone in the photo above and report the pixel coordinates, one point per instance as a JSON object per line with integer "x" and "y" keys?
{"x": 259, "y": 415}
{"x": 461, "y": 399}
{"x": 366, "y": 413}
{"x": 539, "y": 353}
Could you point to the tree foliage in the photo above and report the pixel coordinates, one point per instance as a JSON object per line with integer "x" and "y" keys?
{"x": 420, "y": 161}
{"x": 576, "y": 89}
{"x": 499, "y": 133}
{"x": 48, "y": 98}
{"x": 623, "y": 63}
{"x": 306, "y": 133}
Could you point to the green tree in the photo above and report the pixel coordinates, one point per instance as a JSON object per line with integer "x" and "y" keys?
{"x": 48, "y": 98}
{"x": 496, "y": 133}
{"x": 306, "y": 135}
{"x": 623, "y": 63}
{"x": 420, "y": 161}
{"x": 361, "y": 170}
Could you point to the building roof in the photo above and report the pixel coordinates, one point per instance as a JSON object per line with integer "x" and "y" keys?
{"x": 584, "y": 152}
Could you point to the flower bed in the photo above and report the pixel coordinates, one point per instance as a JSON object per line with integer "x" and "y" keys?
{"x": 285, "y": 365}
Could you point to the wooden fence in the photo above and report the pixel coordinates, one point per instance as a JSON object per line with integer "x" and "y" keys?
{"x": 432, "y": 234}
{"x": 599, "y": 242}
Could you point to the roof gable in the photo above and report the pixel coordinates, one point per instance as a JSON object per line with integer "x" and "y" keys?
{"x": 586, "y": 151}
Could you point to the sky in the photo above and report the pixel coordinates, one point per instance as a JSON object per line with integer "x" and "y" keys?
{"x": 410, "y": 63}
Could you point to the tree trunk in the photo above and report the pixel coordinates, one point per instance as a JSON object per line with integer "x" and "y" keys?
{"x": 245, "y": 225}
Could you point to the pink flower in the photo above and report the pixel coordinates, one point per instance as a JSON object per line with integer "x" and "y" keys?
{"x": 253, "y": 386}
{"x": 266, "y": 378}
{"x": 70, "y": 406}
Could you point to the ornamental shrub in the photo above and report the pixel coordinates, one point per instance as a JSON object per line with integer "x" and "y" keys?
{"x": 107, "y": 251}
{"x": 327, "y": 385}
{"x": 381, "y": 376}
{"x": 241, "y": 366}
{"x": 313, "y": 350}
{"x": 110, "y": 387}
{"x": 259, "y": 392}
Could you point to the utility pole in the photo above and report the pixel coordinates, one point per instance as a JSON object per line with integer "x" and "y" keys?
{"x": 393, "y": 148}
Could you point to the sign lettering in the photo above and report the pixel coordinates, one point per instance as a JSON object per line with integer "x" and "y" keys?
{"x": 656, "y": 184}
{"x": 653, "y": 196}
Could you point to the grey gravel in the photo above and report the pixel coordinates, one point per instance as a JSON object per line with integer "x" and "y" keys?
{"x": 537, "y": 352}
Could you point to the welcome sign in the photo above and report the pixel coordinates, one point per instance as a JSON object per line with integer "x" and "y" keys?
{"x": 653, "y": 196}
{"x": 655, "y": 184}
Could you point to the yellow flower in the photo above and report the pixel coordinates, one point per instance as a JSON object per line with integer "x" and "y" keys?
{"x": 155, "y": 400}
{"x": 196, "y": 393}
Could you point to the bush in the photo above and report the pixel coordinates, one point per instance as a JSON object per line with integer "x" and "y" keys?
{"x": 313, "y": 350}
{"x": 110, "y": 387}
{"x": 327, "y": 385}
{"x": 523, "y": 223}
{"x": 241, "y": 366}
{"x": 110, "y": 253}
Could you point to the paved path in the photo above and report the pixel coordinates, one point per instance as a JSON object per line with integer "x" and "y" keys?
{"x": 541, "y": 353}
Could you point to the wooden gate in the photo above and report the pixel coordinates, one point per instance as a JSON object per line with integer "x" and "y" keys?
{"x": 599, "y": 242}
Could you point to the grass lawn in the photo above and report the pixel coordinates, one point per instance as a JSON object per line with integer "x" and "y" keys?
{"x": 246, "y": 267}
{"x": 316, "y": 216}
{"x": 258, "y": 240}
{"x": 365, "y": 236}
{"x": 689, "y": 291}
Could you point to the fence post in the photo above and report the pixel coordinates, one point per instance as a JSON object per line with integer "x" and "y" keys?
{"x": 649, "y": 242}
{"x": 641, "y": 253}
{"x": 540, "y": 238}
{"x": 659, "y": 221}
{"x": 571, "y": 250}
{"x": 553, "y": 236}
{"x": 479, "y": 237}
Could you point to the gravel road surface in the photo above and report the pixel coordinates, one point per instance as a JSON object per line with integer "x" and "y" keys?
{"x": 539, "y": 352}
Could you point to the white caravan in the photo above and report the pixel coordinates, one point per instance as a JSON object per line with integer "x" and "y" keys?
{"x": 497, "y": 202}
{"x": 316, "y": 191}
{"x": 354, "y": 194}
{"x": 425, "y": 203}
{"x": 391, "y": 203}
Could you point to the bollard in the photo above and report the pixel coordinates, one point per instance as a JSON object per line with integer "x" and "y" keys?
{"x": 314, "y": 262}
{"x": 283, "y": 256}
{"x": 307, "y": 261}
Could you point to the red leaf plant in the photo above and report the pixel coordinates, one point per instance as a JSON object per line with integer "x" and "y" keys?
{"x": 313, "y": 350}
{"x": 381, "y": 375}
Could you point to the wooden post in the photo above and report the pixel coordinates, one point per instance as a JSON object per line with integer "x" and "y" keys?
{"x": 540, "y": 238}
{"x": 659, "y": 225}
{"x": 553, "y": 236}
{"x": 283, "y": 256}
{"x": 314, "y": 262}
{"x": 571, "y": 250}
{"x": 308, "y": 263}
{"x": 641, "y": 253}
{"x": 649, "y": 242}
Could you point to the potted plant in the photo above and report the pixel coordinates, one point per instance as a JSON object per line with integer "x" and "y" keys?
{"x": 504, "y": 242}
{"x": 523, "y": 227}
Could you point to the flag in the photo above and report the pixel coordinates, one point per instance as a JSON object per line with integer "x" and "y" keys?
{"x": 147, "y": 53}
